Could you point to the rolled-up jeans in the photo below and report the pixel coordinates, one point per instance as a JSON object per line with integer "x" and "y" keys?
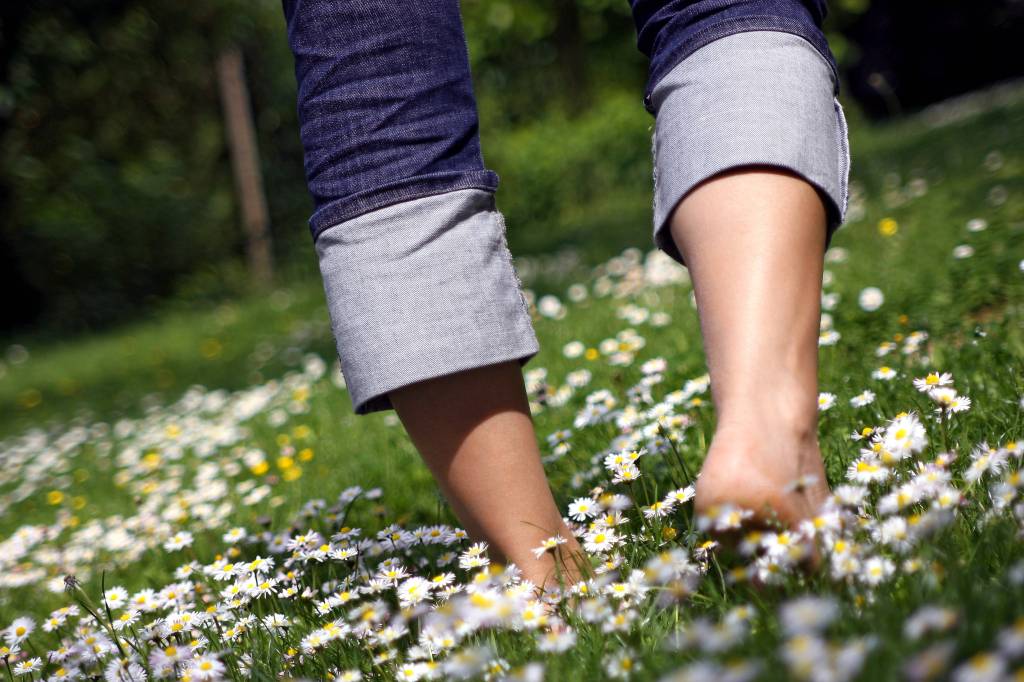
{"x": 412, "y": 248}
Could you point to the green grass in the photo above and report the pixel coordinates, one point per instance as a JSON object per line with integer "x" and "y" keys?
{"x": 931, "y": 182}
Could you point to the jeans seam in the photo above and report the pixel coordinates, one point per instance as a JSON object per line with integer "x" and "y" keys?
{"x": 844, "y": 159}
{"x": 510, "y": 265}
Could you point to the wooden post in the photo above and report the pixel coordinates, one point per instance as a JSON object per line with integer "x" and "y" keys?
{"x": 572, "y": 56}
{"x": 245, "y": 163}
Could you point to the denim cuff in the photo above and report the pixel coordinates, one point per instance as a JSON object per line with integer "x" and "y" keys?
{"x": 415, "y": 187}
{"x": 421, "y": 289}
{"x": 760, "y": 97}
{"x": 676, "y": 44}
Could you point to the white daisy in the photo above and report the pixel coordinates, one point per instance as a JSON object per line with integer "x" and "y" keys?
{"x": 863, "y": 398}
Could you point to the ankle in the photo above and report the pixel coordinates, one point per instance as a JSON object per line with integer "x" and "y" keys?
{"x": 791, "y": 415}
{"x": 756, "y": 428}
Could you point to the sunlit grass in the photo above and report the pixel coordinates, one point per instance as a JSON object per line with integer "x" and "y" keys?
{"x": 149, "y": 500}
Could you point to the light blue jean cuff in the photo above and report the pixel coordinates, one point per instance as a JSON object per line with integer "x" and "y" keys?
{"x": 422, "y": 289}
{"x": 756, "y": 97}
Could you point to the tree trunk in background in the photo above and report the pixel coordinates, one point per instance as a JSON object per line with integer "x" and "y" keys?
{"x": 572, "y": 56}
{"x": 245, "y": 162}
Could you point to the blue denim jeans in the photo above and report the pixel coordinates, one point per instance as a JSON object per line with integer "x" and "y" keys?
{"x": 386, "y": 106}
{"x": 669, "y": 31}
{"x": 385, "y": 101}
{"x": 412, "y": 250}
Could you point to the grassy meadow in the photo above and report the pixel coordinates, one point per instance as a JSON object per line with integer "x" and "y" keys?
{"x": 225, "y": 515}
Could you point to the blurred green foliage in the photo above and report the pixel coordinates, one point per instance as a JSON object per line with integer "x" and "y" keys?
{"x": 115, "y": 177}
{"x": 113, "y": 149}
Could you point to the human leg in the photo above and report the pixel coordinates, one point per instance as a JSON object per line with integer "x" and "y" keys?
{"x": 475, "y": 432}
{"x": 751, "y": 162}
{"x": 423, "y": 298}
{"x": 752, "y": 237}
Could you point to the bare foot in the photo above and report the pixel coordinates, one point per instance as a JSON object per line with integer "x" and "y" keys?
{"x": 563, "y": 565}
{"x": 775, "y": 472}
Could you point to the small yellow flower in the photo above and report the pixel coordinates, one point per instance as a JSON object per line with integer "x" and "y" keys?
{"x": 211, "y": 348}
{"x": 591, "y": 354}
{"x": 887, "y": 227}
{"x": 30, "y": 398}
{"x": 260, "y": 468}
{"x": 305, "y": 454}
{"x": 54, "y": 497}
